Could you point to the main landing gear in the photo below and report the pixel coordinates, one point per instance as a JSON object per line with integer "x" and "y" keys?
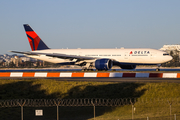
{"x": 158, "y": 67}
{"x": 87, "y": 67}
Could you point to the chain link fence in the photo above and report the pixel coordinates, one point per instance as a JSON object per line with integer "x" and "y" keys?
{"x": 95, "y": 108}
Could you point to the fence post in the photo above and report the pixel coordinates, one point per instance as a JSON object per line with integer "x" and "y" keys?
{"x": 57, "y": 112}
{"x": 22, "y": 104}
{"x": 21, "y": 112}
{"x": 132, "y": 109}
{"x": 94, "y": 112}
{"x": 57, "y": 105}
{"x": 147, "y": 118}
{"x": 94, "y": 109}
{"x": 170, "y": 103}
{"x": 174, "y": 116}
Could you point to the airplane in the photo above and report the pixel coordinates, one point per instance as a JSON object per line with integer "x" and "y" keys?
{"x": 101, "y": 59}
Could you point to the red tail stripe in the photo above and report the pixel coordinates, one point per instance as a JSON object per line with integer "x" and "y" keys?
{"x": 35, "y": 37}
{"x": 32, "y": 34}
{"x": 31, "y": 44}
{"x": 36, "y": 42}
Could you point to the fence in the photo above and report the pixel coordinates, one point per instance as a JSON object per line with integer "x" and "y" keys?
{"x": 95, "y": 108}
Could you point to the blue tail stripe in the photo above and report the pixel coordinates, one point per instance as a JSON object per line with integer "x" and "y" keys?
{"x": 42, "y": 46}
{"x": 27, "y": 27}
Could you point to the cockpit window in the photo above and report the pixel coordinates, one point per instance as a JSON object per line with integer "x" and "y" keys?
{"x": 165, "y": 54}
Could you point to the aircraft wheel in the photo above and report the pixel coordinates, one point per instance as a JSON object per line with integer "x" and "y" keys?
{"x": 157, "y": 69}
{"x": 90, "y": 69}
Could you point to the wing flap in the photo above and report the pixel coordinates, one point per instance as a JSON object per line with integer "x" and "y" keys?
{"x": 65, "y": 56}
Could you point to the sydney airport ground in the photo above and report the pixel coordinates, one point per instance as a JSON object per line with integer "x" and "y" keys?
{"x": 106, "y": 95}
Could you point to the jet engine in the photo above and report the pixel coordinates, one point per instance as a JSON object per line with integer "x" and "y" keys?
{"x": 103, "y": 64}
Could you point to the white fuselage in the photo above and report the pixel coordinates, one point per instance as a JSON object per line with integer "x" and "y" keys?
{"x": 137, "y": 56}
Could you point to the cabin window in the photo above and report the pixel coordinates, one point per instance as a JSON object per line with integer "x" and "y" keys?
{"x": 165, "y": 54}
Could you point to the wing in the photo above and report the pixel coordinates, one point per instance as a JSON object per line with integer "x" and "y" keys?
{"x": 58, "y": 55}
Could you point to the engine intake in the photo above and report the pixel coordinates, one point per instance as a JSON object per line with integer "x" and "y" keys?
{"x": 103, "y": 64}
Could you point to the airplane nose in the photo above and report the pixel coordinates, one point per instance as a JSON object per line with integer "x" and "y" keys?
{"x": 167, "y": 58}
{"x": 170, "y": 58}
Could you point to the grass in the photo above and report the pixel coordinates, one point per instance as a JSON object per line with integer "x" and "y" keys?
{"x": 147, "y": 95}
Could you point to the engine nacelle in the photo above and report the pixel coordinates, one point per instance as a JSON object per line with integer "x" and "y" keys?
{"x": 103, "y": 64}
{"x": 128, "y": 66}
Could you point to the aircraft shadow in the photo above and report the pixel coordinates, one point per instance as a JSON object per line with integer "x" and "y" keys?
{"x": 28, "y": 90}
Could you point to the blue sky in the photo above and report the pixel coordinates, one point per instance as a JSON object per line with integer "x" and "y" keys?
{"x": 90, "y": 23}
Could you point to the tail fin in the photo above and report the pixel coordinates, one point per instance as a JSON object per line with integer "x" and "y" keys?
{"x": 34, "y": 40}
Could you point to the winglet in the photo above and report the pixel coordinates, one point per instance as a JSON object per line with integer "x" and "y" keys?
{"x": 34, "y": 40}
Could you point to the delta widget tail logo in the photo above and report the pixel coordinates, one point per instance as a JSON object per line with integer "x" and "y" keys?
{"x": 34, "y": 40}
